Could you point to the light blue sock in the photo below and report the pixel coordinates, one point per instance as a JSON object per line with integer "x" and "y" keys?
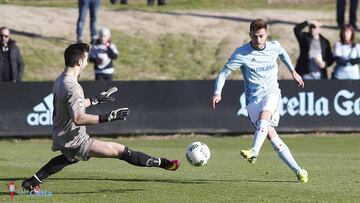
{"x": 262, "y": 129}
{"x": 284, "y": 153}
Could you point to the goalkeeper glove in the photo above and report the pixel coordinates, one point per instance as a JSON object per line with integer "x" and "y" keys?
{"x": 117, "y": 114}
{"x": 104, "y": 97}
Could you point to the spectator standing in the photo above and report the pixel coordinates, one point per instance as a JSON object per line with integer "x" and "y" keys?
{"x": 102, "y": 54}
{"x": 160, "y": 2}
{"x": 315, "y": 51}
{"x": 340, "y": 13}
{"x": 347, "y": 55}
{"x": 84, "y": 6}
{"x": 11, "y": 61}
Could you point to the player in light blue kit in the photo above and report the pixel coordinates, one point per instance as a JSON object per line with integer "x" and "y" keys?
{"x": 257, "y": 62}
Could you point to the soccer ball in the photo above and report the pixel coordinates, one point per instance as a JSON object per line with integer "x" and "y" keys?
{"x": 197, "y": 153}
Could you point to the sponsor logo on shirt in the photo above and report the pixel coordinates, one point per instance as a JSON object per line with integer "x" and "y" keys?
{"x": 265, "y": 68}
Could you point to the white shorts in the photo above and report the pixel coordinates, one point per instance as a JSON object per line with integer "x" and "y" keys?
{"x": 270, "y": 103}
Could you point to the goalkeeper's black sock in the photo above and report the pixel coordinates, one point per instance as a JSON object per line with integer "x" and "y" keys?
{"x": 140, "y": 159}
{"x": 55, "y": 165}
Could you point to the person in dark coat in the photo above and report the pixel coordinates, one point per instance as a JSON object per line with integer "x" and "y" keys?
{"x": 315, "y": 51}
{"x": 11, "y": 61}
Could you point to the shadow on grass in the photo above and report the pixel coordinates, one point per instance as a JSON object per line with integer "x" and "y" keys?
{"x": 99, "y": 191}
{"x": 138, "y": 180}
{"x": 194, "y": 181}
{"x": 13, "y": 179}
{"x": 230, "y": 18}
{"x": 175, "y": 181}
{"x": 122, "y": 180}
{"x": 271, "y": 181}
{"x": 34, "y": 35}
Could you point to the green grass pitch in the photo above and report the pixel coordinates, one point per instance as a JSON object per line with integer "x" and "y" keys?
{"x": 333, "y": 163}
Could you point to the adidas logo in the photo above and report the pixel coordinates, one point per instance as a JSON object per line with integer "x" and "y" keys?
{"x": 253, "y": 60}
{"x": 42, "y": 114}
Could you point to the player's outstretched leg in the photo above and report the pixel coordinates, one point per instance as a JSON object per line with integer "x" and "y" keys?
{"x": 138, "y": 158}
{"x": 53, "y": 166}
{"x": 262, "y": 128}
{"x": 284, "y": 153}
{"x": 103, "y": 149}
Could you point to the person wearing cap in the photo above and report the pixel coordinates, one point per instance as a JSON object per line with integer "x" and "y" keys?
{"x": 315, "y": 51}
{"x": 102, "y": 54}
{"x": 11, "y": 61}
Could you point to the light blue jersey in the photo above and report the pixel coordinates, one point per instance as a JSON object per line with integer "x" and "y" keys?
{"x": 259, "y": 68}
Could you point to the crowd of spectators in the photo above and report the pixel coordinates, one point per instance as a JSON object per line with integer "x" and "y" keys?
{"x": 315, "y": 56}
{"x": 316, "y": 53}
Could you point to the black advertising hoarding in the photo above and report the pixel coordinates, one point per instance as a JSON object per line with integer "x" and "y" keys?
{"x": 165, "y": 107}
{"x": 322, "y": 106}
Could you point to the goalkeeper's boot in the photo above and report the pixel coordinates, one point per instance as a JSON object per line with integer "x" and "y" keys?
{"x": 249, "y": 154}
{"x": 173, "y": 165}
{"x": 302, "y": 175}
{"x": 31, "y": 185}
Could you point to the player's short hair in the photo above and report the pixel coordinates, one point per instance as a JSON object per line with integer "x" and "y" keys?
{"x": 258, "y": 24}
{"x": 74, "y": 53}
